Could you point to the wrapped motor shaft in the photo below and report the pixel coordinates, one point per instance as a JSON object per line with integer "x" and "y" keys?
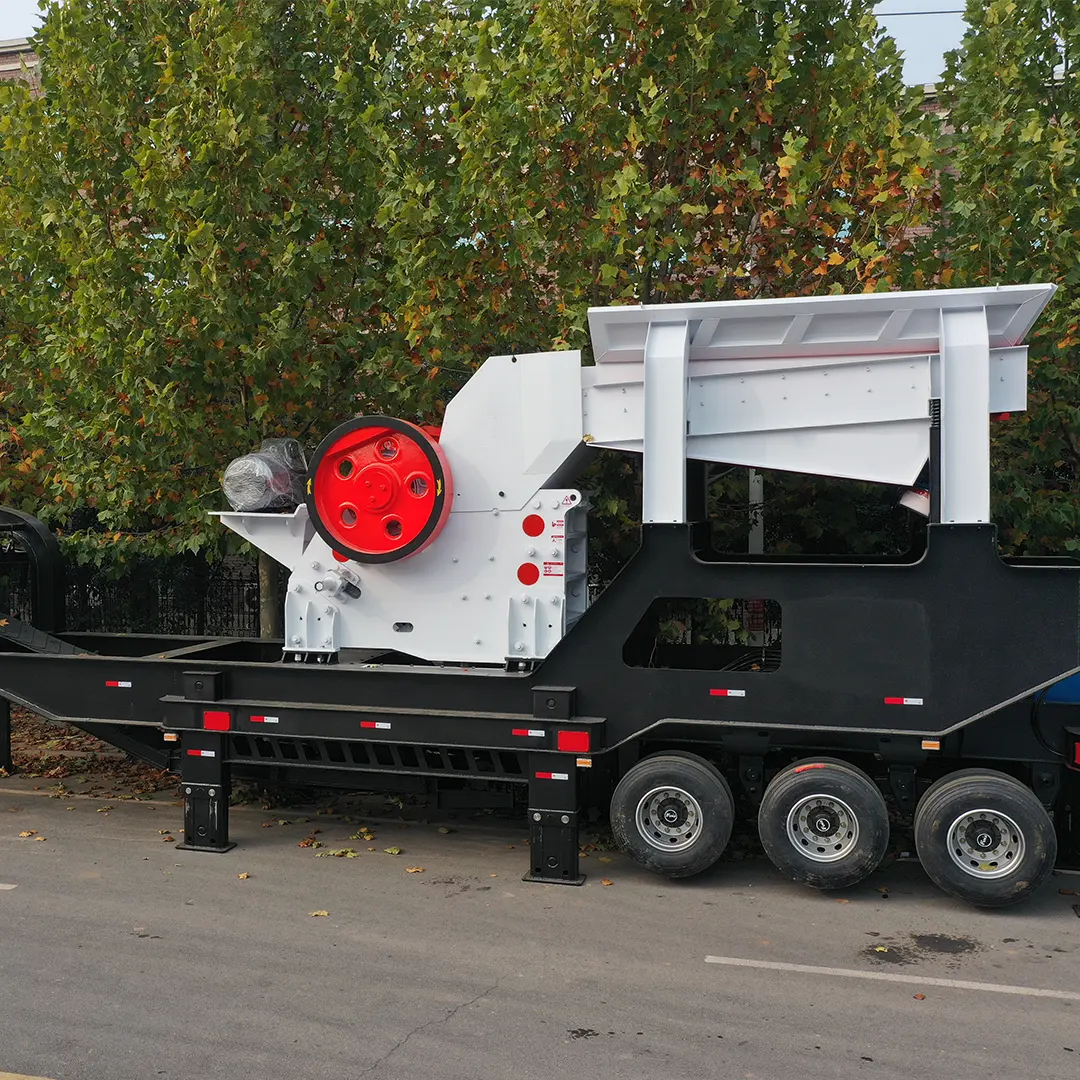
{"x": 272, "y": 478}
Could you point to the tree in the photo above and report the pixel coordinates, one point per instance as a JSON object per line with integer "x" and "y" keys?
{"x": 1012, "y": 200}
{"x": 189, "y": 261}
{"x": 227, "y": 221}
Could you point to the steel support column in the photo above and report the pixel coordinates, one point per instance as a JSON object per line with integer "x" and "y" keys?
{"x": 667, "y": 354}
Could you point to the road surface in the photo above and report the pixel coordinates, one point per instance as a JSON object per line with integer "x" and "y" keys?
{"x": 122, "y": 958}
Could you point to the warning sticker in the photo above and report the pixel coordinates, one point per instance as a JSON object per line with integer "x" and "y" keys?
{"x": 553, "y": 569}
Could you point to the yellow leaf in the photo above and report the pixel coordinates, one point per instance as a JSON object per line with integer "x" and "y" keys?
{"x": 835, "y": 258}
{"x": 414, "y": 869}
{"x": 392, "y": 850}
{"x": 606, "y": 881}
{"x": 316, "y": 914}
{"x": 41, "y": 838}
{"x": 244, "y": 876}
{"x": 881, "y": 948}
{"x": 28, "y": 832}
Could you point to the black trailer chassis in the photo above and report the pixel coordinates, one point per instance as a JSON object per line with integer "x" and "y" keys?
{"x": 909, "y": 670}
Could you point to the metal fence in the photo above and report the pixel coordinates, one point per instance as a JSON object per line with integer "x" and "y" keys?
{"x": 180, "y": 595}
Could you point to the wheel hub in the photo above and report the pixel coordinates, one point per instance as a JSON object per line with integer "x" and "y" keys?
{"x": 986, "y": 844}
{"x": 823, "y": 828}
{"x": 669, "y": 818}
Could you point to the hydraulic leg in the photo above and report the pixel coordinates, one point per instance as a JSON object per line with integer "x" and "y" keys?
{"x": 554, "y": 815}
{"x": 5, "y": 736}
{"x": 204, "y": 784}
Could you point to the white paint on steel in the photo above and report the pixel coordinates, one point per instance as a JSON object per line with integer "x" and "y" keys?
{"x": 894, "y": 977}
{"x": 663, "y": 497}
{"x": 965, "y": 422}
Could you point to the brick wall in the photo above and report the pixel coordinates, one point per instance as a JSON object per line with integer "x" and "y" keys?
{"x": 18, "y": 61}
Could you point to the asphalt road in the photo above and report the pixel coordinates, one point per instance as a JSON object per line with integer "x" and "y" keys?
{"x": 122, "y": 958}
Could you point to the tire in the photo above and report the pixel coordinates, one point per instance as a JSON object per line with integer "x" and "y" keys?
{"x": 853, "y": 834}
{"x": 673, "y": 814}
{"x": 964, "y": 812}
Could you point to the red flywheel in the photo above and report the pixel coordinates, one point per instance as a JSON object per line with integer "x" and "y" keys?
{"x": 379, "y": 489}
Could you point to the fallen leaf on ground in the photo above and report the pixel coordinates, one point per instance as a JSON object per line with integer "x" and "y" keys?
{"x": 605, "y": 858}
{"x": 310, "y": 841}
{"x": 28, "y": 832}
{"x": 371, "y": 849}
{"x": 493, "y": 875}
{"x": 268, "y": 824}
{"x": 444, "y": 830}
{"x": 316, "y": 914}
{"x": 414, "y": 869}
{"x": 167, "y": 839}
{"x": 244, "y": 876}
{"x": 881, "y": 948}
{"x": 337, "y": 853}
{"x": 41, "y": 838}
{"x": 392, "y": 850}
{"x": 606, "y": 881}
{"x": 842, "y": 901}
{"x": 162, "y": 832}
{"x": 1068, "y": 892}
{"x": 919, "y": 997}
{"x": 102, "y": 809}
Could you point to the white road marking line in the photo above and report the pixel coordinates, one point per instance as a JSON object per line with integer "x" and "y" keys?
{"x": 888, "y": 976}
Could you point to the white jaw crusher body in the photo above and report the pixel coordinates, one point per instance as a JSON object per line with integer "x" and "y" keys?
{"x": 834, "y": 386}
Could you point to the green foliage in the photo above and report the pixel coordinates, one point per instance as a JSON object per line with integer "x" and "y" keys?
{"x": 221, "y": 222}
{"x": 1012, "y": 191}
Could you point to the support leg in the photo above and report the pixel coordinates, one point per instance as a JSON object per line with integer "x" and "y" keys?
{"x": 553, "y": 820}
{"x": 5, "y": 736}
{"x": 205, "y": 786}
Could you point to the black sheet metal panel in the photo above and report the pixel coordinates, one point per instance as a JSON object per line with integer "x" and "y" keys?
{"x": 959, "y": 629}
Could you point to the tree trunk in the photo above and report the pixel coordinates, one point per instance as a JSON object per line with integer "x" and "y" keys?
{"x": 269, "y": 597}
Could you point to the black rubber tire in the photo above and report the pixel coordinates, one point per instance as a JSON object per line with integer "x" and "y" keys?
{"x": 984, "y": 789}
{"x": 696, "y": 777}
{"x": 829, "y": 777}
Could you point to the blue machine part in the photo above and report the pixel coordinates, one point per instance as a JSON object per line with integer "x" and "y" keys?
{"x": 1066, "y": 692}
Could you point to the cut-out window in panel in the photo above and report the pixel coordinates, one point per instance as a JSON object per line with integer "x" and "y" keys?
{"x": 707, "y": 635}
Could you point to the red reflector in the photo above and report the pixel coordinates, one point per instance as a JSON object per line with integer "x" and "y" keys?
{"x": 574, "y": 742}
{"x": 1076, "y": 753}
{"x": 216, "y": 721}
{"x": 1000, "y": 416}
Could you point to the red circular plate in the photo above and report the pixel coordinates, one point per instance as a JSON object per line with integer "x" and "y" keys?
{"x": 379, "y": 489}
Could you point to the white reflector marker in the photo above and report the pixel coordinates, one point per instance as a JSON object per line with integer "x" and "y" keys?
{"x": 529, "y": 733}
{"x": 122, "y": 684}
{"x": 903, "y": 701}
{"x": 552, "y": 776}
{"x": 202, "y": 753}
{"x": 265, "y": 719}
{"x": 727, "y": 693}
{"x": 380, "y": 724}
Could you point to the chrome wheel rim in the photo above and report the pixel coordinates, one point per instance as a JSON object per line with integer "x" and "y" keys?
{"x": 669, "y": 818}
{"x": 986, "y": 844}
{"x": 823, "y": 828}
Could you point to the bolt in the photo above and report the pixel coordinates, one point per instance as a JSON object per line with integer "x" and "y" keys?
{"x": 296, "y": 639}
{"x": 536, "y": 505}
{"x": 550, "y": 703}
{"x": 525, "y": 600}
{"x": 532, "y": 552}
{"x": 298, "y": 588}
{"x": 552, "y": 862}
{"x": 187, "y": 791}
{"x": 554, "y": 552}
{"x": 198, "y": 684}
{"x": 495, "y": 512}
{"x": 565, "y": 819}
{"x": 454, "y": 559}
{"x": 316, "y": 565}
{"x": 329, "y": 609}
{"x": 487, "y": 596}
{"x": 464, "y": 596}
{"x": 519, "y": 646}
{"x": 555, "y": 505}
{"x": 211, "y": 793}
{"x": 491, "y": 558}
{"x": 554, "y": 599}
{"x": 328, "y": 642}
{"x": 476, "y": 641}
{"x": 536, "y": 817}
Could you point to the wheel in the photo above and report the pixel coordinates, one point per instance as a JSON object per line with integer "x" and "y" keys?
{"x": 824, "y": 823}
{"x": 673, "y": 813}
{"x": 984, "y": 837}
